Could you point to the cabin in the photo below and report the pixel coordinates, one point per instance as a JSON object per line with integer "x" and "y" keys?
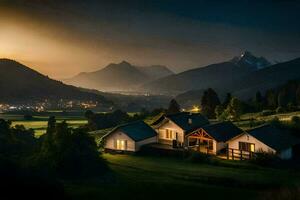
{"x": 129, "y": 137}
{"x": 212, "y": 138}
{"x": 268, "y": 139}
{"x": 172, "y": 129}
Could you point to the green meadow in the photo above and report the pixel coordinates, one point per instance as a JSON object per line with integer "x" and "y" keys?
{"x": 143, "y": 177}
{"x": 39, "y": 122}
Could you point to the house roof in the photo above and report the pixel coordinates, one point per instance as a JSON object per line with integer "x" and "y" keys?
{"x": 276, "y": 138}
{"x": 223, "y": 131}
{"x": 183, "y": 120}
{"x": 137, "y": 131}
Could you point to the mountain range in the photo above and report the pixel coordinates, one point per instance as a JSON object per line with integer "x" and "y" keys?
{"x": 19, "y": 83}
{"x": 242, "y": 76}
{"x": 119, "y": 77}
{"x": 245, "y": 86}
{"x": 214, "y": 76}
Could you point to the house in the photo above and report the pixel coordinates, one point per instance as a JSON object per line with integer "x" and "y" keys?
{"x": 212, "y": 138}
{"x": 129, "y": 137}
{"x": 173, "y": 128}
{"x": 266, "y": 138}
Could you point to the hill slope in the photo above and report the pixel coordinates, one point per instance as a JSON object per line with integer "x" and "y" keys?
{"x": 199, "y": 78}
{"x": 19, "y": 83}
{"x": 209, "y": 76}
{"x": 246, "y": 86}
{"x": 266, "y": 78}
{"x": 119, "y": 77}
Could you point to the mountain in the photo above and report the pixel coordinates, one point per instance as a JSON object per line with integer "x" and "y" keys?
{"x": 156, "y": 71}
{"x": 208, "y": 76}
{"x": 246, "y": 86}
{"x": 19, "y": 83}
{"x": 119, "y": 77}
{"x": 247, "y": 59}
{"x": 267, "y": 78}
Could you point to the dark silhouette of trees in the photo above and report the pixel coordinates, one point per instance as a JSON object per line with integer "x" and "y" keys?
{"x": 227, "y": 100}
{"x": 209, "y": 102}
{"x": 271, "y": 99}
{"x": 234, "y": 109}
{"x": 69, "y": 153}
{"x": 174, "y": 107}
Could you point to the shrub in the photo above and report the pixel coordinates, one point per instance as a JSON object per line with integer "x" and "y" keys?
{"x": 265, "y": 159}
{"x": 280, "y": 110}
{"x": 267, "y": 112}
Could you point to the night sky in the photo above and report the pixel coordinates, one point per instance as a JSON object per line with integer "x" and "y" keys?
{"x": 62, "y": 38}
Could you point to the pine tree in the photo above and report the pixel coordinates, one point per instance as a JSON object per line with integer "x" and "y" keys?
{"x": 209, "y": 102}
{"x": 234, "y": 109}
{"x": 174, "y": 107}
{"x": 227, "y": 100}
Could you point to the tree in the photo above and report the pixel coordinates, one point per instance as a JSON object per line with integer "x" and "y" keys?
{"x": 271, "y": 99}
{"x": 209, "y": 102}
{"x": 174, "y": 107}
{"x": 258, "y": 101}
{"x": 298, "y": 95}
{"x": 234, "y": 109}
{"x": 72, "y": 153}
{"x": 220, "y": 113}
{"x": 283, "y": 98}
{"x": 227, "y": 100}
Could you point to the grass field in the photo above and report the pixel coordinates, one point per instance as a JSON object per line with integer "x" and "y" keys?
{"x": 138, "y": 177}
{"x": 39, "y": 122}
{"x": 258, "y": 119}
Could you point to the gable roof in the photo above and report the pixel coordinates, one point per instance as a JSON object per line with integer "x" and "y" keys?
{"x": 276, "y": 138}
{"x": 137, "y": 131}
{"x": 182, "y": 120}
{"x": 223, "y": 131}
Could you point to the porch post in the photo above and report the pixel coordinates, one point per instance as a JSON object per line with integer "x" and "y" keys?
{"x": 188, "y": 141}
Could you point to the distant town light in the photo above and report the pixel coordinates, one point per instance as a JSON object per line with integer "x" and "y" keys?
{"x": 195, "y": 108}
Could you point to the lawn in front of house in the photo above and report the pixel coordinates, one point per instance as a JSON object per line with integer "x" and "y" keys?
{"x": 144, "y": 177}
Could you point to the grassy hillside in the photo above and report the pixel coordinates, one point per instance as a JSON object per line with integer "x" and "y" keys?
{"x": 19, "y": 83}
{"x": 138, "y": 177}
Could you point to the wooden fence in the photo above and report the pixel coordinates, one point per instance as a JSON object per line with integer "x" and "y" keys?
{"x": 236, "y": 154}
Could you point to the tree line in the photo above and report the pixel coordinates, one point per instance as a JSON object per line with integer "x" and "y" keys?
{"x": 35, "y": 166}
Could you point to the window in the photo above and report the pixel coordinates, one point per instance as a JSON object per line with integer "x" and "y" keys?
{"x": 121, "y": 144}
{"x": 245, "y": 146}
{"x": 169, "y": 134}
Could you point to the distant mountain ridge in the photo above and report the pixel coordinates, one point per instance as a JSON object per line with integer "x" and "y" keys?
{"x": 209, "y": 76}
{"x": 118, "y": 77}
{"x": 19, "y": 83}
{"x": 247, "y": 59}
{"x": 246, "y": 86}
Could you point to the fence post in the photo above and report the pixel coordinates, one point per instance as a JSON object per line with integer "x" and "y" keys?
{"x": 232, "y": 154}
{"x": 241, "y": 154}
{"x": 227, "y": 152}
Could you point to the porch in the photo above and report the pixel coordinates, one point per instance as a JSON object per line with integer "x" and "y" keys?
{"x": 200, "y": 141}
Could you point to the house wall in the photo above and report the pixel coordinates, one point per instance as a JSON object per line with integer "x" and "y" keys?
{"x": 259, "y": 146}
{"x": 139, "y": 144}
{"x": 171, "y": 126}
{"x": 118, "y": 135}
{"x": 286, "y": 154}
{"x": 220, "y": 146}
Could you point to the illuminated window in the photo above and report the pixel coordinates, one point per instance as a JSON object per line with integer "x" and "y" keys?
{"x": 121, "y": 144}
{"x": 245, "y": 146}
{"x": 169, "y": 134}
